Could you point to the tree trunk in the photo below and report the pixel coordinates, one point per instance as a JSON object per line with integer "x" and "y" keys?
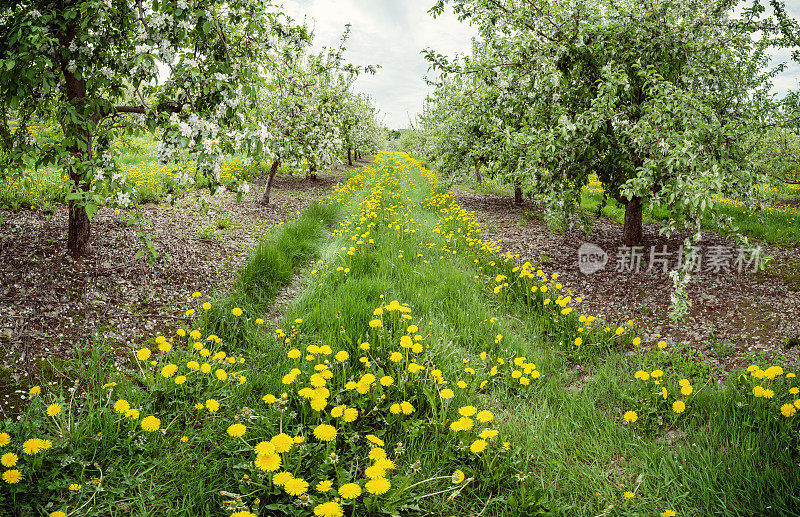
{"x": 632, "y": 231}
{"x": 79, "y": 226}
{"x": 517, "y": 194}
{"x": 478, "y": 177}
{"x": 272, "y": 170}
{"x": 349, "y": 157}
{"x": 312, "y": 171}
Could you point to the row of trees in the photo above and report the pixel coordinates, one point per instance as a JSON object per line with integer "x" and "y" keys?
{"x": 663, "y": 99}
{"x": 211, "y": 79}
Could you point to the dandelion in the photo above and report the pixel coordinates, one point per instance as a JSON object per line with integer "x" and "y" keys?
{"x": 296, "y": 487}
{"x": 378, "y": 486}
{"x": 133, "y": 414}
{"x": 788, "y": 410}
{"x": 169, "y": 370}
{"x": 678, "y": 406}
{"x": 9, "y": 459}
{"x": 53, "y": 409}
{"x": 282, "y": 442}
{"x": 377, "y": 453}
{"x": 478, "y": 446}
{"x": 628, "y": 495}
{"x": 485, "y": 416}
{"x": 206, "y": 306}
{"x": 446, "y": 393}
{"x": 75, "y": 487}
{"x": 264, "y": 447}
{"x": 406, "y": 407}
{"x": 268, "y": 462}
{"x": 667, "y": 513}
{"x": 487, "y": 434}
{"x": 341, "y": 356}
{"x": 212, "y": 405}
{"x": 281, "y": 478}
{"x": 180, "y": 379}
{"x": 458, "y": 477}
{"x": 631, "y": 416}
{"x": 236, "y": 430}
{"x": 143, "y": 354}
{"x": 324, "y": 486}
{"x": 33, "y": 446}
{"x": 350, "y": 415}
{"x": 349, "y": 491}
{"x": 325, "y": 432}
{"x": 150, "y": 424}
{"x": 221, "y": 374}
{"x": 467, "y": 410}
{"x": 269, "y": 398}
{"x": 375, "y": 440}
{"x": 12, "y": 476}
{"x": 35, "y": 390}
{"x": 58, "y": 513}
{"x": 329, "y": 509}
{"x": 236, "y": 311}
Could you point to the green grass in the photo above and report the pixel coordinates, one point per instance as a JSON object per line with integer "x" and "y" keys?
{"x": 570, "y": 450}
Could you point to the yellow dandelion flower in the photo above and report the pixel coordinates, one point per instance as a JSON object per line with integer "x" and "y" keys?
{"x": 296, "y": 487}
{"x": 12, "y": 476}
{"x": 150, "y": 424}
{"x": 268, "y": 462}
{"x": 378, "y": 486}
{"x": 478, "y": 446}
{"x": 349, "y": 491}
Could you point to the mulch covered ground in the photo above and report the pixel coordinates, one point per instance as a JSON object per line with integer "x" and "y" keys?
{"x": 732, "y": 314}
{"x": 51, "y": 306}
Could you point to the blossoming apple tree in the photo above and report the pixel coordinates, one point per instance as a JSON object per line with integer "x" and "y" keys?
{"x": 657, "y": 97}
{"x": 202, "y": 74}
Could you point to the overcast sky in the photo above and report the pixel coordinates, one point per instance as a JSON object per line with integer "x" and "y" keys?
{"x": 391, "y": 33}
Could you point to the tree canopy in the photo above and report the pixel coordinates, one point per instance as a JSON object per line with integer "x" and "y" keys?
{"x": 212, "y": 78}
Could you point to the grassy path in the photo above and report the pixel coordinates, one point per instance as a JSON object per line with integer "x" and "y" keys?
{"x": 423, "y": 372}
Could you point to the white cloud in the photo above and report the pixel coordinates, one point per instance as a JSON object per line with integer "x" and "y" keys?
{"x": 391, "y": 34}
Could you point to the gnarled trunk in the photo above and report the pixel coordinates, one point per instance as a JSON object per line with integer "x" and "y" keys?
{"x": 312, "y": 171}
{"x": 349, "y": 157}
{"x": 272, "y": 170}
{"x": 478, "y": 177}
{"x": 517, "y": 193}
{"x": 632, "y": 231}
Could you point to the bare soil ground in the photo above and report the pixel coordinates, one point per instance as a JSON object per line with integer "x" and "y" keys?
{"x": 732, "y": 315}
{"x": 51, "y": 306}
